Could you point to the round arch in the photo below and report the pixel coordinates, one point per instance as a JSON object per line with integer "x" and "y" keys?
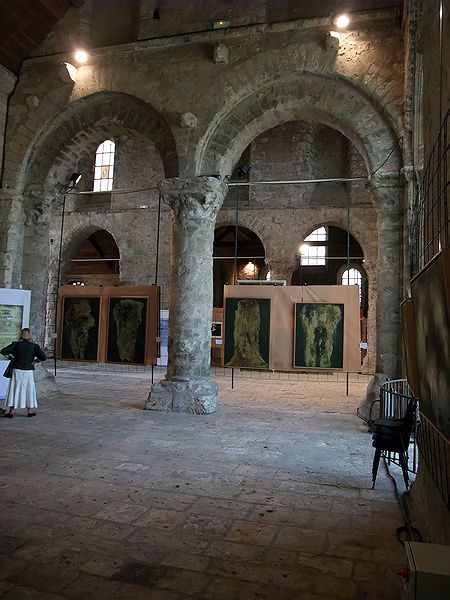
{"x": 96, "y": 261}
{"x": 332, "y": 101}
{"x": 250, "y": 258}
{"x": 83, "y": 115}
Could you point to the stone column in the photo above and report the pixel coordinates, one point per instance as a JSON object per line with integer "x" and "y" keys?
{"x": 280, "y": 269}
{"x": 386, "y": 190}
{"x": 7, "y": 83}
{"x": 12, "y": 221}
{"x": 187, "y": 386}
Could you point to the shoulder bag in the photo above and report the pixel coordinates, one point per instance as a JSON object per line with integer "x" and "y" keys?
{"x": 9, "y": 370}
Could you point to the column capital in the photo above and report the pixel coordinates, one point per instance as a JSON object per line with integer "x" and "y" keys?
{"x": 194, "y": 198}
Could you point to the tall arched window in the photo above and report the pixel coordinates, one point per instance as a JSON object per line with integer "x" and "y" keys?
{"x": 352, "y": 277}
{"x": 312, "y": 251}
{"x": 104, "y": 167}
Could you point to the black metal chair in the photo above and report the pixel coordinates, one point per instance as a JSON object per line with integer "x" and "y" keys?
{"x": 393, "y": 435}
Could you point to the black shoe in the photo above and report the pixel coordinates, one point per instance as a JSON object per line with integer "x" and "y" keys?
{"x": 8, "y": 415}
{"x": 31, "y": 414}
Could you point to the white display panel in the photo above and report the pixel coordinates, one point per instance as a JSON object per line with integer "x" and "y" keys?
{"x": 14, "y": 314}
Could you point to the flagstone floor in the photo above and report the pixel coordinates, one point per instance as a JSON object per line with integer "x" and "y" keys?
{"x": 269, "y": 498}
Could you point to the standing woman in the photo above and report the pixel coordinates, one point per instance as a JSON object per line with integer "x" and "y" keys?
{"x": 21, "y": 392}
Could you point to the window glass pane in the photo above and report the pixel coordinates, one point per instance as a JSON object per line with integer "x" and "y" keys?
{"x": 104, "y": 166}
{"x": 352, "y": 277}
{"x": 318, "y": 235}
{"x": 312, "y": 255}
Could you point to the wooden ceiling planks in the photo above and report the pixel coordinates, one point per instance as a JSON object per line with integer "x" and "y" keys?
{"x": 24, "y": 25}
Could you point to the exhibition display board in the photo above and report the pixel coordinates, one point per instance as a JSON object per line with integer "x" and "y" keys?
{"x": 430, "y": 292}
{"x": 14, "y": 315}
{"x": 286, "y": 328}
{"x": 117, "y": 324}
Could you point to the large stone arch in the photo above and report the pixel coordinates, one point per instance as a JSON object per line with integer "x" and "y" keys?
{"x": 72, "y": 239}
{"x": 330, "y": 100}
{"x": 123, "y": 110}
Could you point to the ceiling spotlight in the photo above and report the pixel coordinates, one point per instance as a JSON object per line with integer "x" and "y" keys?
{"x": 342, "y": 21}
{"x": 74, "y": 179}
{"x": 243, "y": 171}
{"x": 81, "y": 56}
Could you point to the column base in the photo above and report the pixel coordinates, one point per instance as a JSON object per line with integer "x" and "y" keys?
{"x": 364, "y": 409}
{"x": 197, "y": 396}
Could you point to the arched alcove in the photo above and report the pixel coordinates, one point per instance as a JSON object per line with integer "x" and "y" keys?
{"x": 98, "y": 110}
{"x": 249, "y": 263}
{"x": 309, "y": 96}
{"x": 324, "y": 255}
{"x": 96, "y": 261}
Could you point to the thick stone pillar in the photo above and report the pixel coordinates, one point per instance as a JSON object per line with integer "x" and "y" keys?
{"x": 7, "y": 83}
{"x": 187, "y": 386}
{"x": 12, "y": 222}
{"x": 386, "y": 190}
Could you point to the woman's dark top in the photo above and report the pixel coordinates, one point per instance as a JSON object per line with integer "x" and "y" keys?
{"x": 24, "y": 352}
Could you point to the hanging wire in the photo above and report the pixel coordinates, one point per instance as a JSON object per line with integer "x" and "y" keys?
{"x": 397, "y": 143}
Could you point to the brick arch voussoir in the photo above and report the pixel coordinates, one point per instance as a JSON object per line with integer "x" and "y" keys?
{"x": 331, "y": 101}
{"x": 82, "y": 116}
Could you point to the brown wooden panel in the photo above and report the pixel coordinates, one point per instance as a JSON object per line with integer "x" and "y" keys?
{"x": 150, "y": 292}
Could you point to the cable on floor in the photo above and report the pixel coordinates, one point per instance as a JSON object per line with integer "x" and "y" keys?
{"x": 405, "y": 533}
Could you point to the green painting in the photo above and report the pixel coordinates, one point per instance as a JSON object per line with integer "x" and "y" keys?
{"x": 80, "y": 328}
{"x": 432, "y": 326}
{"x": 247, "y": 329}
{"x": 319, "y": 336}
{"x": 10, "y": 323}
{"x": 127, "y": 327}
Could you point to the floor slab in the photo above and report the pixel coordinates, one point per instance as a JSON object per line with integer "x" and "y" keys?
{"x": 270, "y": 497}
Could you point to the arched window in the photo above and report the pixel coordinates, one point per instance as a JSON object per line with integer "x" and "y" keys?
{"x": 352, "y": 277}
{"x": 312, "y": 252}
{"x": 104, "y": 167}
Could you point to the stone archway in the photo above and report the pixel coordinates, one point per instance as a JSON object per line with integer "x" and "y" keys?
{"x": 332, "y": 101}
{"x": 337, "y": 103}
{"x": 249, "y": 263}
{"x": 71, "y": 244}
{"x": 123, "y": 110}
{"x": 52, "y": 157}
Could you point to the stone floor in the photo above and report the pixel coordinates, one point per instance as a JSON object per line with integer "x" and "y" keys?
{"x": 269, "y": 498}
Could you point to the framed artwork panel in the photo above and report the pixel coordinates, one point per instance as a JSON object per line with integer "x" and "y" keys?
{"x": 80, "y": 328}
{"x": 127, "y": 329}
{"x": 216, "y": 329}
{"x": 319, "y": 335}
{"x": 11, "y": 316}
{"x": 431, "y": 295}
{"x": 247, "y": 333}
{"x": 409, "y": 345}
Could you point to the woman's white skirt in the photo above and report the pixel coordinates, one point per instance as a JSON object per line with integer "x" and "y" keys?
{"x": 21, "y": 391}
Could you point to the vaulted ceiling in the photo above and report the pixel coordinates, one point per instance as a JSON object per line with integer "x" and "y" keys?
{"x": 24, "y": 24}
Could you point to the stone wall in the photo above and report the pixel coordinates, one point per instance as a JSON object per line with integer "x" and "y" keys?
{"x": 194, "y": 105}
{"x": 432, "y": 62}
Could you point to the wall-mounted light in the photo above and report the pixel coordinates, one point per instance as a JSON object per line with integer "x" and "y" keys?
{"x": 72, "y": 71}
{"x": 250, "y": 269}
{"x": 81, "y": 56}
{"x": 342, "y": 21}
{"x": 74, "y": 179}
{"x": 243, "y": 171}
{"x": 221, "y": 23}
